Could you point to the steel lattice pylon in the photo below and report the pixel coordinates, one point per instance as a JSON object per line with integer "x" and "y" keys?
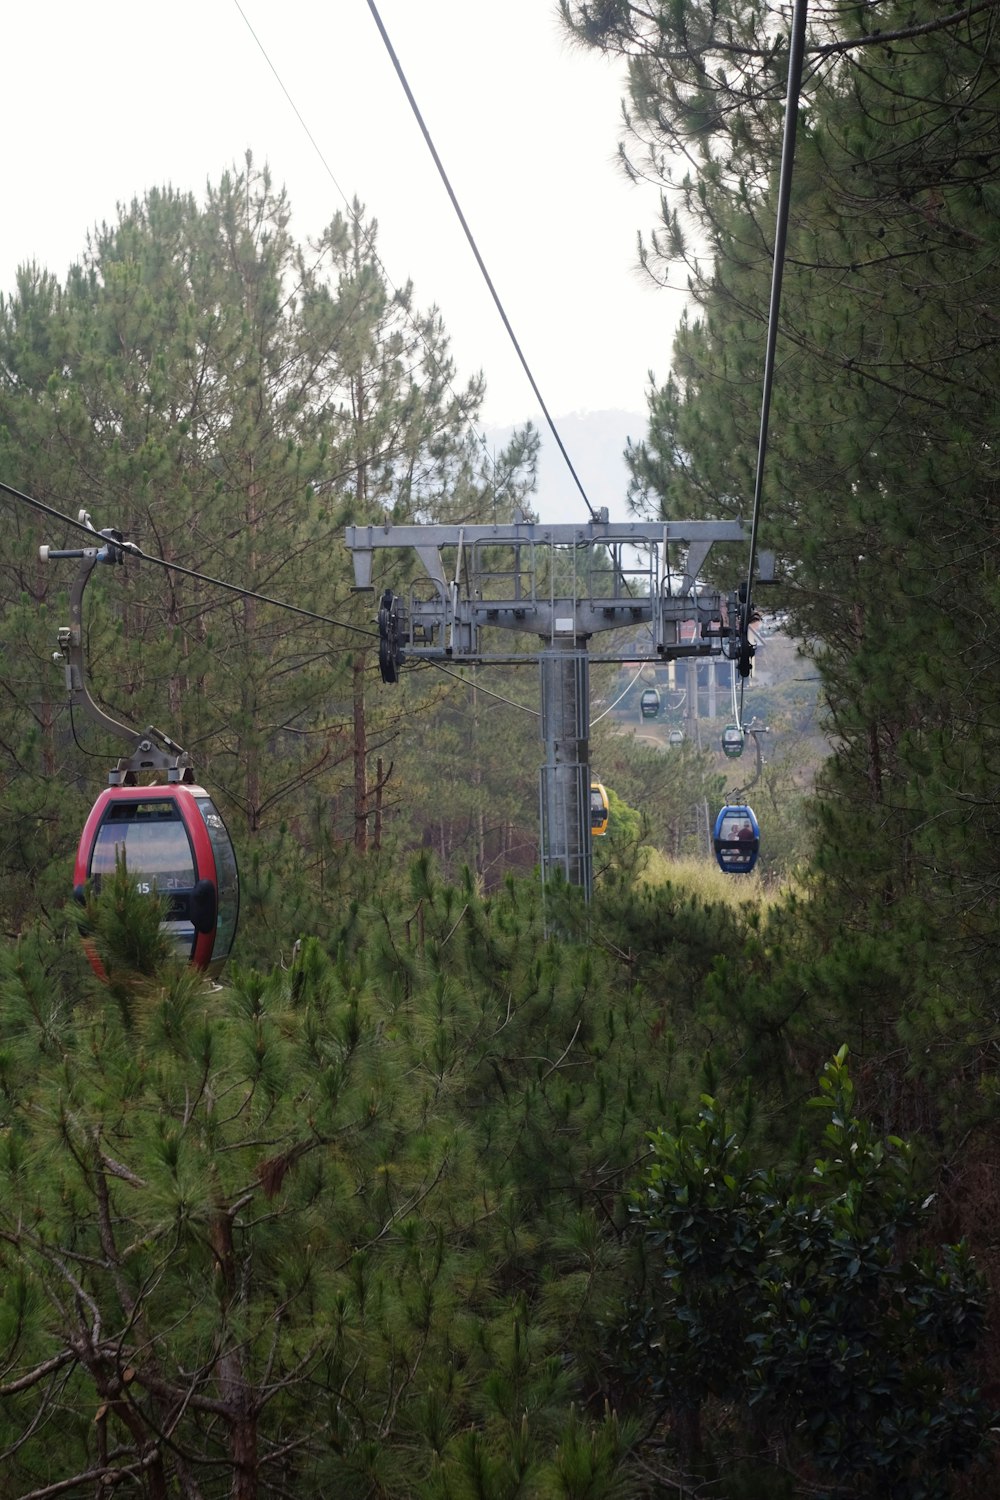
{"x": 563, "y": 584}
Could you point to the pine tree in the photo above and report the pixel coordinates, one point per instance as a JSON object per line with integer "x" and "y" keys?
{"x": 229, "y": 399}
{"x": 881, "y": 471}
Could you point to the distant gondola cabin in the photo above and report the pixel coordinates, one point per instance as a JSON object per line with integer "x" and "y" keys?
{"x": 175, "y": 845}
{"x": 649, "y": 703}
{"x": 732, "y": 741}
{"x": 736, "y": 839}
{"x": 598, "y": 809}
{"x": 675, "y": 737}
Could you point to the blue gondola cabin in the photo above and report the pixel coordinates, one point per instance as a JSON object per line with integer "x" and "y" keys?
{"x": 736, "y": 839}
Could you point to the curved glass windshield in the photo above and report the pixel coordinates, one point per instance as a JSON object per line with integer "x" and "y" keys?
{"x": 154, "y": 841}
{"x": 736, "y": 833}
{"x": 227, "y": 878}
{"x": 158, "y": 855}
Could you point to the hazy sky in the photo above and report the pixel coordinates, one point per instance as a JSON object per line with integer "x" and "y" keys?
{"x": 102, "y": 101}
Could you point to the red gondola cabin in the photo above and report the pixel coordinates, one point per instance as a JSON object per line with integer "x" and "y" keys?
{"x": 175, "y": 844}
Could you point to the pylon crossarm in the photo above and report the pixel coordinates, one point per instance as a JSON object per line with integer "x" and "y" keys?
{"x": 555, "y": 582}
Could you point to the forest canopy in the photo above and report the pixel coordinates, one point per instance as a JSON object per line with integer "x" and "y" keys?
{"x": 443, "y": 1194}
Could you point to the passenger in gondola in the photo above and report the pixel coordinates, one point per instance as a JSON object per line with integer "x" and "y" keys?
{"x": 744, "y": 835}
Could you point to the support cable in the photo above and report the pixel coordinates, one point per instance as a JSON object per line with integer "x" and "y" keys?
{"x": 621, "y": 695}
{"x": 475, "y": 250}
{"x": 736, "y": 700}
{"x": 429, "y": 351}
{"x": 796, "y": 52}
{"x": 512, "y": 702}
{"x": 220, "y": 583}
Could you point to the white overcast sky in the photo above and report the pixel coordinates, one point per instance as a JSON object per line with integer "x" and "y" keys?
{"x": 102, "y": 101}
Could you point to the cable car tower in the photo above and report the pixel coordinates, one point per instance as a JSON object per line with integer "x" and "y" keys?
{"x": 562, "y": 584}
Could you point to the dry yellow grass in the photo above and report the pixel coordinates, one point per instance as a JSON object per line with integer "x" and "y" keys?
{"x": 703, "y": 879}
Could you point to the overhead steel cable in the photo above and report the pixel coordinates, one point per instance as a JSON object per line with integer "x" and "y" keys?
{"x": 295, "y": 109}
{"x": 621, "y": 695}
{"x": 134, "y": 550}
{"x": 429, "y": 351}
{"x": 511, "y": 702}
{"x": 796, "y": 53}
{"x": 475, "y": 250}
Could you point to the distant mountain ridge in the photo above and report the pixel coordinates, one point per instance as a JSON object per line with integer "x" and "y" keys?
{"x": 595, "y": 442}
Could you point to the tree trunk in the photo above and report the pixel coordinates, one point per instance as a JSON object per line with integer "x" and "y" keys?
{"x": 251, "y": 748}
{"x": 379, "y": 783}
{"x": 360, "y": 758}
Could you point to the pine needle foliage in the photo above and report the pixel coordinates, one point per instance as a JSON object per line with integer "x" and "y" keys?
{"x": 800, "y": 1300}
{"x": 353, "y": 1222}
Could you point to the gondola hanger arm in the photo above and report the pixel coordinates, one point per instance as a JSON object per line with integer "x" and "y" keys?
{"x": 754, "y": 731}
{"x": 152, "y": 750}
